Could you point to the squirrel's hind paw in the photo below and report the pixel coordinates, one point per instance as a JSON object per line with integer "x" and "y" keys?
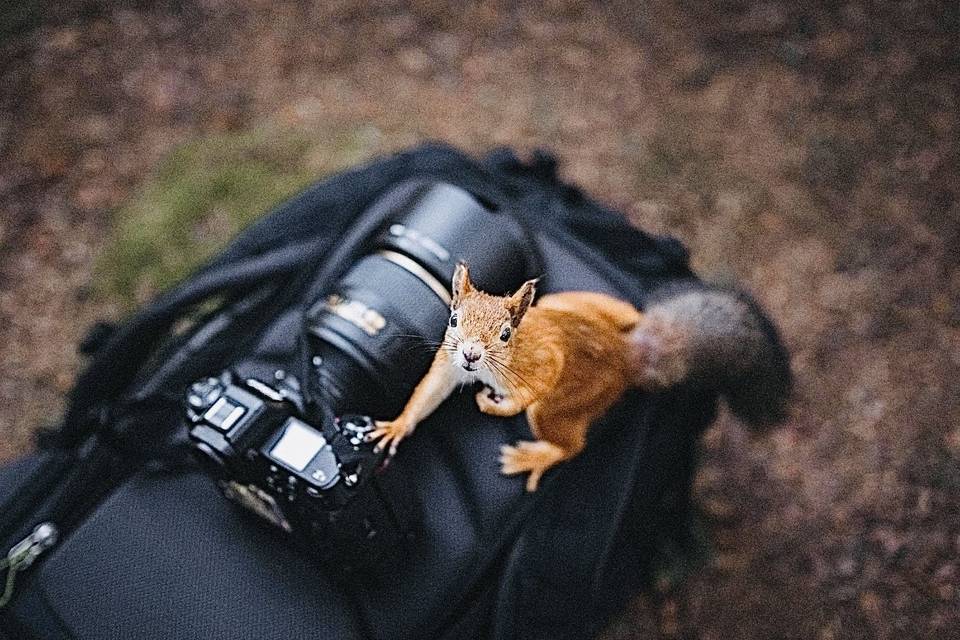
{"x": 533, "y": 457}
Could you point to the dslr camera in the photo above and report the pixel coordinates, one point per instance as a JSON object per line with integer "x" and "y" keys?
{"x": 316, "y": 479}
{"x": 293, "y": 449}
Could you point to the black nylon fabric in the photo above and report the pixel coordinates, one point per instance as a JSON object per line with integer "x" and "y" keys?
{"x": 165, "y": 557}
{"x": 543, "y": 199}
{"x": 19, "y": 472}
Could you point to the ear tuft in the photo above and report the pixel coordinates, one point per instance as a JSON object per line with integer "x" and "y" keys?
{"x": 461, "y": 284}
{"x": 519, "y": 302}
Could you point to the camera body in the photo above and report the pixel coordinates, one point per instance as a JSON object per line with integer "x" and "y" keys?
{"x": 318, "y": 482}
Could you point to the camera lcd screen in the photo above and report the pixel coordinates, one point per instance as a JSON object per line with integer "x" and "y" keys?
{"x": 298, "y": 445}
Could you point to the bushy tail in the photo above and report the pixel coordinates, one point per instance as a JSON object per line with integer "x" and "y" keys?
{"x": 717, "y": 338}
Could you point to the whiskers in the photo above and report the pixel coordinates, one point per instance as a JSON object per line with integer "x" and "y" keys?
{"x": 515, "y": 383}
{"x": 494, "y": 360}
{"x": 449, "y": 344}
{"x": 423, "y": 343}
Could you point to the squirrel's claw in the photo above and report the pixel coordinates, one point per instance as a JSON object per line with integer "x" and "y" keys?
{"x": 388, "y": 434}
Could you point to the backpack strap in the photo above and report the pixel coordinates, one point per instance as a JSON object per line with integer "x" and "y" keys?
{"x": 124, "y": 353}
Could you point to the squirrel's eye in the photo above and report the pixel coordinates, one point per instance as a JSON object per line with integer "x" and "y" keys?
{"x": 505, "y": 334}
{"x": 453, "y": 320}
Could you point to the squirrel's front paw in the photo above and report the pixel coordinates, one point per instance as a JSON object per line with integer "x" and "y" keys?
{"x": 389, "y": 434}
{"x": 488, "y": 400}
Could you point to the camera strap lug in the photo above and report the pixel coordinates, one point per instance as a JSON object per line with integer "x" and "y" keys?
{"x": 23, "y": 554}
{"x": 256, "y": 500}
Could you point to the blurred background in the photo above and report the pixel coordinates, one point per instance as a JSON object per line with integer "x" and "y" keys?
{"x": 807, "y": 150}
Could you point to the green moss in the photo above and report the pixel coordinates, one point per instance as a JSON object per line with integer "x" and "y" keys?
{"x": 205, "y": 192}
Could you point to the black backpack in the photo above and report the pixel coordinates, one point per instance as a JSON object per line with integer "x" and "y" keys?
{"x": 146, "y": 547}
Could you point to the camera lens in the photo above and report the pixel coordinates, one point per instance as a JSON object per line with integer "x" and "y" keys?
{"x": 375, "y": 335}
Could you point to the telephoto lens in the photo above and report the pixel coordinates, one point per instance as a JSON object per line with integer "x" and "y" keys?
{"x": 374, "y": 335}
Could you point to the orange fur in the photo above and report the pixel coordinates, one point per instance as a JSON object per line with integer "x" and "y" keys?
{"x": 564, "y": 362}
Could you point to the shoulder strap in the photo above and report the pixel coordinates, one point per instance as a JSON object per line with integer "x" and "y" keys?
{"x": 124, "y": 353}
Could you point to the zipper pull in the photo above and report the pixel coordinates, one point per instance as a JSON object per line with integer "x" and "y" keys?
{"x": 23, "y": 554}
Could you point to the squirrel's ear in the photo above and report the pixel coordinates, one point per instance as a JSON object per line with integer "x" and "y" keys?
{"x": 518, "y": 303}
{"x": 461, "y": 283}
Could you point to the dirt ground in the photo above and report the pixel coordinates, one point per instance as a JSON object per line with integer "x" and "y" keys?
{"x": 809, "y": 153}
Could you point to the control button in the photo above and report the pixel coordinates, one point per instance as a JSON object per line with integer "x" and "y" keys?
{"x": 324, "y": 469}
{"x": 204, "y": 393}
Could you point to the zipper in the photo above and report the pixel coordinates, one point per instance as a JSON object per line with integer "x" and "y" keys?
{"x": 23, "y": 554}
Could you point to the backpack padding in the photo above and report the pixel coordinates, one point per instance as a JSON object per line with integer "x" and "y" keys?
{"x": 637, "y": 457}
{"x": 179, "y": 570}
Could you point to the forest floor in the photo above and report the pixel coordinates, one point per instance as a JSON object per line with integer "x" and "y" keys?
{"x": 807, "y": 150}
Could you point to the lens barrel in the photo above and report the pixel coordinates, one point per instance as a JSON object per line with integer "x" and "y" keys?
{"x": 446, "y": 224}
{"x": 374, "y": 336}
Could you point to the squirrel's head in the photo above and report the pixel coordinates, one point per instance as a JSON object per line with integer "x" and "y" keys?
{"x": 481, "y": 325}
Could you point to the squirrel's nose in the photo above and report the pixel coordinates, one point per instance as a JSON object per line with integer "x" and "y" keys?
{"x": 472, "y": 353}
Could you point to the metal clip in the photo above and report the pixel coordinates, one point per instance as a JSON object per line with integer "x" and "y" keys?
{"x": 24, "y": 553}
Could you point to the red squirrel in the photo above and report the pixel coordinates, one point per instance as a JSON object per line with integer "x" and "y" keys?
{"x": 568, "y": 358}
